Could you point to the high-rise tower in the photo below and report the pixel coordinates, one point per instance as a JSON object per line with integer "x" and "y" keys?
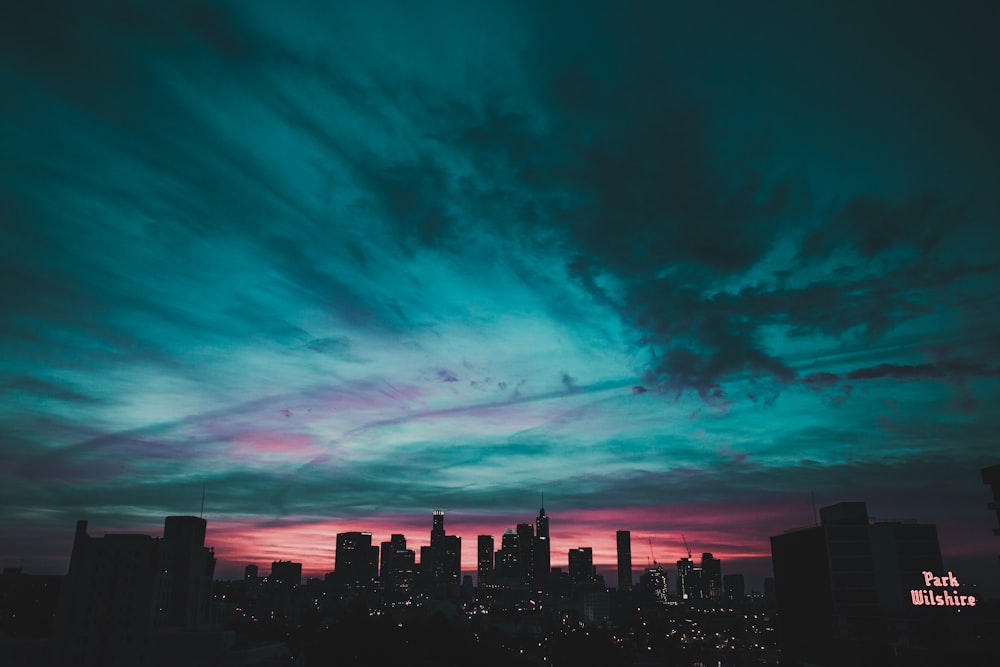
{"x": 711, "y": 577}
{"x": 526, "y": 553}
{"x": 357, "y": 559}
{"x": 542, "y": 552}
{"x": 441, "y": 561}
{"x": 624, "y": 539}
{"x": 484, "y": 560}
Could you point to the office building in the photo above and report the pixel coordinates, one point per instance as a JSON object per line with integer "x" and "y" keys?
{"x": 624, "y": 540}
{"x": 397, "y": 542}
{"x": 653, "y": 584}
{"x": 711, "y": 577}
{"x": 542, "y": 551}
{"x": 484, "y": 558}
{"x": 734, "y": 588}
{"x": 441, "y": 562}
{"x": 526, "y": 553}
{"x": 184, "y": 582}
{"x": 285, "y": 574}
{"x": 356, "y": 562}
{"x": 507, "y": 569}
{"x": 123, "y": 589}
{"x": 400, "y": 577}
{"x": 581, "y": 564}
{"x": 849, "y": 579}
{"x": 688, "y": 580}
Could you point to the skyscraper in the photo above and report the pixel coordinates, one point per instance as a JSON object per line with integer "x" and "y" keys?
{"x": 734, "y": 588}
{"x": 286, "y": 574}
{"x": 437, "y": 529}
{"x": 484, "y": 560}
{"x": 399, "y": 575}
{"x": 441, "y": 562}
{"x": 356, "y": 559}
{"x": 624, "y": 540}
{"x": 397, "y": 542}
{"x": 581, "y": 564}
{"x": 451, "y": 571}
{"x": 122, "y": 589}
{"x": 542, "y": 550}
{"x": 186, "y": 571}
{"x": 688, "y": 580}
{"x": 507, "y": 569}
{"x": 850, "y": 579}
{"x": 526, "y": 553}
{"x": 711, "y": 577}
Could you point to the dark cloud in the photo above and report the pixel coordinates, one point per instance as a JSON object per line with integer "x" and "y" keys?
{"x": 874, "y": 225}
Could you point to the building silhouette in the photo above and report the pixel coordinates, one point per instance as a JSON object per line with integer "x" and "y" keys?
{"x": 397, "y": 542}
{"x": 653, "y": 584}
{"x": 581, "y": 565}
{"x": 526, "y": 553}
{"x": 623, "y": 538}
{"x": 484, "y": 559}
{"x": 507, "y": 569}
{"x": 441, "y": 562}
{"x": 688, "y": 580}
{"x": 123, "y": 591}
{"x": 847, "y": 581}
{"x": 542, "y": 551}
{"x": 356, "y": 563}
{"x": 286, "y": 574}
{"x": 734, "y": 588}
{"x": 711, "y": 577}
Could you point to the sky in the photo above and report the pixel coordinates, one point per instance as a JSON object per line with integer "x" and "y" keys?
{"x": 686, "y": 269}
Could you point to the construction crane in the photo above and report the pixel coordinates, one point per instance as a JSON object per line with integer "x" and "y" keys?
{"x": 651, "y": 551}
{"x": 686, "y": 547}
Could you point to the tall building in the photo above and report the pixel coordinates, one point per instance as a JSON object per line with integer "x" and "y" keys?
{"x": 507, "y": 570}
{"x": 441, "y": 562}
{"x": 285, "y": 573}
{"x": 581, "y": 564}
{"x": 653, "y": 583}
{"x": 397, "y": 542}
{"x": 711, "y": 577}
{"x": 356, "y": 560}
{"x": 734, "y": 588}
{"x": 849, "y": 580}
{"x": 187, "y": 568}
{"x": 399, "y": 576}
{"x": 542, "y": 551}
{"x": 437, "y": 529}
{"x": 123, "y": 589}
{"x": 526, "y": 553}
{"x": 624, "y": 540}
{"x": 484, "y": 558}
{"x": 688, "y": 580}
{"x": 451, "y": 571}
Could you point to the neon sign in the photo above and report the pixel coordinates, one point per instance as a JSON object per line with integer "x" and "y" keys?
{"x": 936, "y": 594}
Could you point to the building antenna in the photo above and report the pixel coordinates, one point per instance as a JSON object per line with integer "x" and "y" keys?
{"x": 201, "y": 515}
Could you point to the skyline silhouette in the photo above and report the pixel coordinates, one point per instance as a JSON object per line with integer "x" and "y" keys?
{"x": 689, "y": 269}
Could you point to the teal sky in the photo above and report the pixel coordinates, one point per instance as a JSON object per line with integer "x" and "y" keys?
{"x": 677, "y": 266}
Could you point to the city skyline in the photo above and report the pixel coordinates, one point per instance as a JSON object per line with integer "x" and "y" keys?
{"x": 689, "y": 270}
